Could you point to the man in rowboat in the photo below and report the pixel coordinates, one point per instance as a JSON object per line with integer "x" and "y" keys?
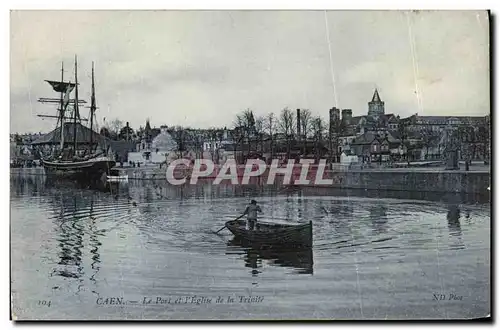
{"x": 251, "y": 212}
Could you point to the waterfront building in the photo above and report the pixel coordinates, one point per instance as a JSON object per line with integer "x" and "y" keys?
{"x": 365, "y": 129}
{"x": 377, "y": 147}
{"x": 375, "y": 120}
{"x": 155, "y": 146}
{"x": 217, "y": 144}
{"x": 473, "y": 133}
{"x": 422, "y": 135}
{"x": 376, "y": 108}
{"x": 215, "y": 139}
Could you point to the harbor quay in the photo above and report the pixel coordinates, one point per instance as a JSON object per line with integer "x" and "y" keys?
{"x": 412, "y": 179}
{"x": 477, "y": 180}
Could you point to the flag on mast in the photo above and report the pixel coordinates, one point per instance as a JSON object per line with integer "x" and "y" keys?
{"x": 61, "y": 87}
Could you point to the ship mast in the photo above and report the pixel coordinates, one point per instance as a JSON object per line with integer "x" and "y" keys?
{"x": 64, "y": 89}
{"x": 75, "y": 112}
{"x": 61, "y": 110}
{"x": 92, "y": 110}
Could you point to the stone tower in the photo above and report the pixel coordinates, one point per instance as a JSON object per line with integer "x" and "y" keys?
{"x": 376, "y": 106}
{"x": 346, "y": 117}
{"x": 334, "y": 116}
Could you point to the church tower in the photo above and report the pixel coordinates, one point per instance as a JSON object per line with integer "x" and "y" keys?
{"x": 376, "y": 106}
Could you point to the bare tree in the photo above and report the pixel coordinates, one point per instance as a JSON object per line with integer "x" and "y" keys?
{"x": 238, "y": 134}
{"x": 484, "y": 137}
{"x": 126, "y": 133}
{"x": 238, "y": 137}
{"x": 245, "y": 128}
{"x": 211, "y": 138}
{"x": 249, "y": 124}
{"x": 404, "y": 133}
{"x": 259, "y": 131}
{"x": 139, "y": 133}
{"x": 429, "y": 138}
{"x": 196, "y": 138}
{"x": 452, "y": 146}
{"x": 306, "y": 122}
{"x": 334, "y": 131}
{"x": 474, "y": 138}
{"x": 219, "y": 137}
{"x": 104, "y": 131}
{"x": 318, "y": 127}
{"x": 287, "y": 128}
{"x": 116, "y": 126}
{"x": 305, "y": 127}
{"x": 181, "y": 138}
{"x": 215, "y": 136}
{"x": 270, "y": 126}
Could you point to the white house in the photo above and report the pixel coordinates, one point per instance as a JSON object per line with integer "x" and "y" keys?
{"x": 348, "y": 159}
{"x": 345, "y": 142}
{"x": 154, "y": 150}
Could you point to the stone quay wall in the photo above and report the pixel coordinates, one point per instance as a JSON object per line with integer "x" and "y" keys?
{"x": 421, "y": 180}
{"x": 417, "y": 180}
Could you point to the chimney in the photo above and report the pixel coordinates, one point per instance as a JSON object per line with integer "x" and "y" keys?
{"x": 298, "y": 123}
{"x": 334, "y": 115}
{"x": 127, "y": 131}
{"x": 347, "y": 117}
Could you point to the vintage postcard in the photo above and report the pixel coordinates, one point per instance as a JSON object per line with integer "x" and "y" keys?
{"x": 250, "y": 165}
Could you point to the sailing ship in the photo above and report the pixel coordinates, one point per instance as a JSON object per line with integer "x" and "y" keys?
{"x": 75, "y": 150}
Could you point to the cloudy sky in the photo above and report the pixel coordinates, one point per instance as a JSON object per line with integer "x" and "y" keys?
{"x": 200, "y": 68}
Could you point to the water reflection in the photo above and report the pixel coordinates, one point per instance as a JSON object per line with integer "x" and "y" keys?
{"x": 378, "y": 217}
{"x": 70, "y": 238}
{"x": 77, "y": 236}
{"x": 153, "y": 238}
{"x": 102, "y": 186}
{"x": 205, "y": 190}
{"x": 453, "y": 217}
{"x": 94, "y": 243}
{"x": 252, "y": 261}
{"x": 409, "y": 195}
{"x": 299, "y": 260}
{"x": 26, "y": 184}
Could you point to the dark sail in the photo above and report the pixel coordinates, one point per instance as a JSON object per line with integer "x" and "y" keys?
{"x": 70, "y": 161}
{"x": 61, "y": 87}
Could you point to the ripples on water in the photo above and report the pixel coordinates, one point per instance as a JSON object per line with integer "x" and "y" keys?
{"x": 372, "y": 257}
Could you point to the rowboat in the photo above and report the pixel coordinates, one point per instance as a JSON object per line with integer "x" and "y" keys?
{"x": 298, "y": 259}
{"x": 273, "y": 234}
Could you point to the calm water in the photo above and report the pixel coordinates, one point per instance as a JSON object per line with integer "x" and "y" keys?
{"x": 375, "y": 258}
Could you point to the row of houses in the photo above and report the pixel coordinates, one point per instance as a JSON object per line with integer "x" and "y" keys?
{"x": 383, "y": 137}
{"x": 21, "y": 153}
{"x": 374, "y": 137}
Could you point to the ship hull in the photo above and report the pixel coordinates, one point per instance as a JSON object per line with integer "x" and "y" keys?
{"x": 92, "y": 169}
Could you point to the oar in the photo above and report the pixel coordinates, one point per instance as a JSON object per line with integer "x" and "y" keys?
{"x": 216, "y": 232}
